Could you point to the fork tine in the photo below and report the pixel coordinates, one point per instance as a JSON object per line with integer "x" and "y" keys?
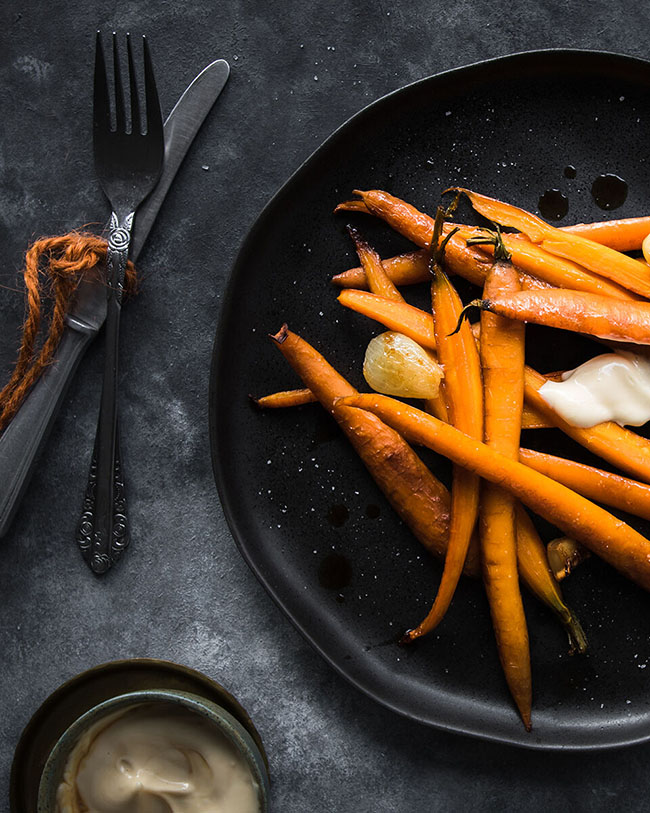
{"x": 120, "y": 124}
{"x": 101, "y": 104}
{"x": 154, "y": 117}
{"x": 136, "y": 125}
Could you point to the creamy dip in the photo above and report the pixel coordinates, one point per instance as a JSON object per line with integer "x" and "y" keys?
{"x": 611, "y": 387}
{"x": 156, "y": 758}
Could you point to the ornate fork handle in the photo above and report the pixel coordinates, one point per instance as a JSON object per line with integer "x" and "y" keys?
{"x": 103, "y": 532}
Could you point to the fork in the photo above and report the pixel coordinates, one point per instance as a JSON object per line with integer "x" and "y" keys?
{"x": 128, "y": 163}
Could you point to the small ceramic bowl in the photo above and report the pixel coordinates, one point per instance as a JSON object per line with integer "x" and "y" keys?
{"x": 215, "y": 714}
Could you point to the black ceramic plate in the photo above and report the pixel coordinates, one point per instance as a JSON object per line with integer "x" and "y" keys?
{"x": 307, "y": 518}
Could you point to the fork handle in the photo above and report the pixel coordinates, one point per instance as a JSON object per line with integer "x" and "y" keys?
{"x": 104, "y": 512}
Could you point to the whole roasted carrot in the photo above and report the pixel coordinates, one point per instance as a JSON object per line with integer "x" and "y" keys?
{"x": 530, "y": 419}
{"x": 601, "y": 260}
{"x": 420, "y": 500}
{"x": 502, "y": 363}
{"x": 413, "y": 267}
{"x": 577, "y": 311}
{"x": 538, "y": 267}
{"x": 626, "y": 234}
{"x": 378, "y": 280}
{"x": 596, "y": 484}
{"x": 412, "y": 322}
{"x": 605, "y": 535}
{"x": 460, "y": 259}
{"x": 464, "y": 396}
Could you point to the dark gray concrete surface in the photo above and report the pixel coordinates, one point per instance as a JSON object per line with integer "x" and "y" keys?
{"x": 183, "y": 592}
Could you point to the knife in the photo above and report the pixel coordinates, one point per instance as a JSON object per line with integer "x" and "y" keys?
{"x": 25, "y": 435}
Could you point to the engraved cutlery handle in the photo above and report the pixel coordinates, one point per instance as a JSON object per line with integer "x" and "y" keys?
{"x": 104, "y": 507}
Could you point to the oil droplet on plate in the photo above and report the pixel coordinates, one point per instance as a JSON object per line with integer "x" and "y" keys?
{"x": 334, "y": 572}
{"x": 373, "y": 511}
{"x": 609, "y": 191}
{"x": 553, "y": 205}
{"x": 338, "y": 515}
{"x": 570, "y": 171}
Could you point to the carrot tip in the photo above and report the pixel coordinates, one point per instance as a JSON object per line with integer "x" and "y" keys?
{"x": 408, "y": 638}
{"x": 281, "y": 336}
{"x": 254, "y": 401}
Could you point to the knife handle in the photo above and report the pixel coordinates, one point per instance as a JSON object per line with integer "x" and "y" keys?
{"x": 23, "y": 438}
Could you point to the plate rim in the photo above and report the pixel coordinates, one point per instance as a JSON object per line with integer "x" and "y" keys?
{"x": 592, "y": 59}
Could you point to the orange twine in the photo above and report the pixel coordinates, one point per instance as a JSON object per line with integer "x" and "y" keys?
{"x": 54, "y": 266}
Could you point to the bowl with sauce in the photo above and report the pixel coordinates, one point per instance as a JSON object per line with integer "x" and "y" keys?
{"x": 163, "y": 751}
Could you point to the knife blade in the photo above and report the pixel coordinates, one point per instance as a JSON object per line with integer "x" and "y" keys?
{"x": 23, "y": 438}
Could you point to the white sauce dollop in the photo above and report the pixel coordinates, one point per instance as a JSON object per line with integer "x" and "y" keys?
{"x": 156, "y": 757}
{"x": 612, "y": 387}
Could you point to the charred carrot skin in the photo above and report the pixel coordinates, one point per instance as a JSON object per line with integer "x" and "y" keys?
{"x": 464, "y": 396}
{"x": 596, "y": 484}
{"x": 599, "y": 531}
{"x": 502, "y": 363}
{"x": 419, "y": 499}
{"x": 599, "y": 259}
{"x": 580, "y": 312}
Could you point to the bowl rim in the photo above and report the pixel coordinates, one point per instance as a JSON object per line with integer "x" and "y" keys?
{"x": 209, "y": 710}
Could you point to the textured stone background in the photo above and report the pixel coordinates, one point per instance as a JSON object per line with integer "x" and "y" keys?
{"x": 298, "y": 71}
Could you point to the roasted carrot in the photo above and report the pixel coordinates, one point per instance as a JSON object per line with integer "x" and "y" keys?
{"x": 605, "y": 535}
{"x": 601, "y": 260}
{"x": 622, "y": 235}
{"x": 534, "y": 569}
{"x": 596, "y": 484}
{"x": 530, "y": 419}
{"x": 538, "y": 267}
{"x": 378, "y": 280}
{"x": 624, "y": 449}
{"x": 418, "y": 497}
{"x": 578, "y": 311}
{"x": 286, "y": 398}
{"x": 412, "y": 268}
{"x": 404, "y": 269}
{"x": 460, "y": 259}
{"x": 556, "y": 271}
{"x": 626, "y": 234}
{"x": 532, "y": 565}
{"x": 502, "y": 363}
{"x": 412, "y": 322}
{"x": 463, "y": 392}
